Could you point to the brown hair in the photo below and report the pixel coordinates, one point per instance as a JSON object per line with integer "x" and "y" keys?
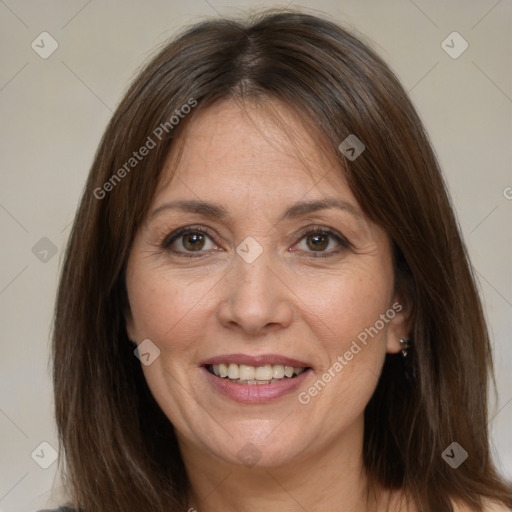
{"x": 119, "y": 449}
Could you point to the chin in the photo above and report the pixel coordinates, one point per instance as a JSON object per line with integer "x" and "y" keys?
{"x": 245, "y": 452}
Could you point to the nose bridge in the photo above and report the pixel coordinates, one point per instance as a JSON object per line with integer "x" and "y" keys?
{"x": 252, "y": 270}
{"x": 253, "y": 284}
{"x": 254, "y": 298}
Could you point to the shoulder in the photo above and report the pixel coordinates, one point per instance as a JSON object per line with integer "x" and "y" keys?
{"x": 60, "y": 509}
{"x": 488, "y": 507}
{"x": 494, "y": 507}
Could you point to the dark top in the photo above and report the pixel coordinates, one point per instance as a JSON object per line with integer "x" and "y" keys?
{"x": 60, "y": 509}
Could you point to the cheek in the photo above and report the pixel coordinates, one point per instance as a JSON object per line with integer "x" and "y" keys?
{"x": 170, "y": 311}
{"x": 344, "y": 305}
{"x": 347, "y": 316}
{"x": 162, "y": 307}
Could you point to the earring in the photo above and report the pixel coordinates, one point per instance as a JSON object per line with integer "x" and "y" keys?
{"x": 404, "y": 343}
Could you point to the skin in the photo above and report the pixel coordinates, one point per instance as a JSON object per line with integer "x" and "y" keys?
{"x": 256, "y": 162}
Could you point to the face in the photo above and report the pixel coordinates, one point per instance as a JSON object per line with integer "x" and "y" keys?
{"x": 272, "y": 312}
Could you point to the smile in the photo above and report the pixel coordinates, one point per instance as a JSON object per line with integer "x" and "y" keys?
{"x": 256, "y": 378}
{"x": 254, "y": 375}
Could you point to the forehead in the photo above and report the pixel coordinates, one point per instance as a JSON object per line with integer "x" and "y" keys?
{"x": 251, "y": 150}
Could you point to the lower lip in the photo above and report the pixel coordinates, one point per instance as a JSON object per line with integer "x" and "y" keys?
{"x": 255, "y": 393}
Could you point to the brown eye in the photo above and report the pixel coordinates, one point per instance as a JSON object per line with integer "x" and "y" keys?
{"x": 323, "y": 242}
{"x": 317, "y": 242}
{"x": 186, "y": 241}
{"x": 193, "y": 241}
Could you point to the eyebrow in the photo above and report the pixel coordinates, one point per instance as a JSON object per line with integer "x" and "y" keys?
{"x": 217, "y": 211}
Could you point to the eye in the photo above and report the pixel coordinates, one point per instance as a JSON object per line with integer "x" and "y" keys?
{"x": 193, "y": 241}
{"x": 318, "y": 240}
{"x": 188, "y": 240}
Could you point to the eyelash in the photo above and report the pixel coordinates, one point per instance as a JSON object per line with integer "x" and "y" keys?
{"x": 175, "y": 235}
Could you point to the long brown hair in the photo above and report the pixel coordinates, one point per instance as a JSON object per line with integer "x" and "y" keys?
{"x": 119, "y": 451}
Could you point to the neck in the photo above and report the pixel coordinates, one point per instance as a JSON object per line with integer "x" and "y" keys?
{"x": 330, "y": 478}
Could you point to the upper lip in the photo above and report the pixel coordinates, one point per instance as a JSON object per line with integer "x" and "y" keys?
{"x": 259, "y": 360}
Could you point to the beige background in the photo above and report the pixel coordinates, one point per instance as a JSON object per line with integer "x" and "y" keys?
{"x": 54, "y": 111}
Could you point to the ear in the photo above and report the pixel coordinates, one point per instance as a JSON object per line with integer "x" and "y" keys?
{"x": 129, "y": 325}
{"x": 400, "y": 325}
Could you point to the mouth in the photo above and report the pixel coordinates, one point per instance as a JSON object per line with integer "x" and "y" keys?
{"x": 255, "y": 375}
{"x": 255, "y": 379}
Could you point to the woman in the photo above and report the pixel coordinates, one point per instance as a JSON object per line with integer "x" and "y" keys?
{"x": 266, "y": 302}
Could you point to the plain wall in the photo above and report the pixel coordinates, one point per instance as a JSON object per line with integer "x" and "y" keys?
{"x": 54, "y": 111}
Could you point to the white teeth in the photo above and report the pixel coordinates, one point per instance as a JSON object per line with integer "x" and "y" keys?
{"x": 264, "y": 373}
{"x": 278, "y": 371}
{"x": 252, "y": 382}
{"x": 245, "y": 374}
{"x": 233, "y": 373}
{"x": 223, "y": 370}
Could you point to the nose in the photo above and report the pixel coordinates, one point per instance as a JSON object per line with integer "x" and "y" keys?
{"x": 255, "y": 299}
